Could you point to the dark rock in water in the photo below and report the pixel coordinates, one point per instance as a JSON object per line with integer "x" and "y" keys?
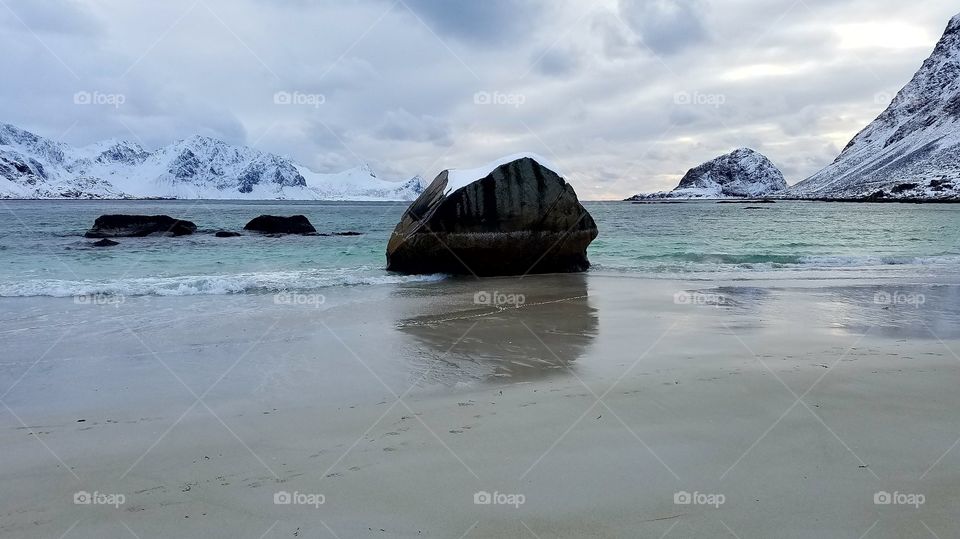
{"x": 105, "y": 243}
{"x": 110, "y": 226}
{"x": 273, "y": 224}
{"x": 520, "y": 218}
{"x": 748, "y": 201}
{"x": 227, "y": 234}
{"x": 348, "y": 233}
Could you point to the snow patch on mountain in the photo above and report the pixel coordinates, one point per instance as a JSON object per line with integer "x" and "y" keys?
{"x": 194, "y": 168}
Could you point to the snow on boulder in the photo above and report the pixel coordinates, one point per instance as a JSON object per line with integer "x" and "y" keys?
{"x": 742, "y": 173}
{"x": 512, "y": 217}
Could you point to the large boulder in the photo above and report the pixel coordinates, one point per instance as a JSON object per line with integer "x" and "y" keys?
{"x": 273, "y": 224}
{"x": 511, "y": 218}
{"x": 113, "y": 226}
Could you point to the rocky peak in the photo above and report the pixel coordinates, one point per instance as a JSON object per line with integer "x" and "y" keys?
{"x": 118, "y": 151}
{"x": 740, "y": 173}
{"x": 26, "y": 142}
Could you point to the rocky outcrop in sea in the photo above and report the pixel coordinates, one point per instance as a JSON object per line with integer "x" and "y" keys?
{"x": 742, "y": 173}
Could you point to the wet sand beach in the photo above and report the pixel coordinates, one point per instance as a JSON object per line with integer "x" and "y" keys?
{"x": 576, "y": 405}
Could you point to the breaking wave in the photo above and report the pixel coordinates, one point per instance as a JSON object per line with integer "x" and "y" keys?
{"x": 197, "y": 285}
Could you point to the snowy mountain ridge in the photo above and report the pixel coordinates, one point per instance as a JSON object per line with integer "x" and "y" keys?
{"x": 910, "y": 151}
{"x": 196, "y": 167}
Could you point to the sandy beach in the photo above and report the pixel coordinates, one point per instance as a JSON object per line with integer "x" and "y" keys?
{"x": 581, "y": 406}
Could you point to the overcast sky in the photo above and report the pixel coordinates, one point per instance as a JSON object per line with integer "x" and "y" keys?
{"x": 623, "y": 95}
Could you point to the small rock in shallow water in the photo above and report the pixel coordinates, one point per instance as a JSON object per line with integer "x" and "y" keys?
{"x": 227, "y": 234}
{"x": 273, "y": 224}
{"x": 105, "y": 243}
{"x": 119, "y": 225}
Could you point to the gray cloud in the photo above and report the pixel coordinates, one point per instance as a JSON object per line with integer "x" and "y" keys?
{"x": 666, "y": 26}
{"x": 556, "y": 62}
{"x": 50, "y": 17}
{"x": 595, "y": 100}
{"x": 478, "y": 21}
{"x": 400, "y": 125}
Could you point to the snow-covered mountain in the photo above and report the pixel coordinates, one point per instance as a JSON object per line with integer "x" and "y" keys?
{"x": 912, "y": 150}
{"x": 196, "y": 167}
{"x": 742, "y": 173}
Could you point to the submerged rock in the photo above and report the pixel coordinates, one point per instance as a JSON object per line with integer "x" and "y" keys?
{"x": 273, "y": 224}
{"x": 105, "y": 243}
{"x": 227, "y": 234}
{"x": 111, "y": 226}
{"x": 510, "y": 218}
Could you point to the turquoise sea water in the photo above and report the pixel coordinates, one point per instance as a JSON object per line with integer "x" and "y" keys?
{"x": 43, "y": 253}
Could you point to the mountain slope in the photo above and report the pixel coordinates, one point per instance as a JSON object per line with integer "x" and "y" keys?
{"x": 742, "y": 173}
{"x": 912, "y": 150}
{"x": 196, "y": 167}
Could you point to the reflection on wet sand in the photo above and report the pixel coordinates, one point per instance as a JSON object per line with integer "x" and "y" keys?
{"x": 518, "y": 329}
{"x": 895, "y": 311}
{"x": 900, "y": 311}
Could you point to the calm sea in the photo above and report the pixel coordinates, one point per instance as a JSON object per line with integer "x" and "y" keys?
{"x": 43, "y": 253}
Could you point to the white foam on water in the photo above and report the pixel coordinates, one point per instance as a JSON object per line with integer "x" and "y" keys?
{"x": 197, "y": 285}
